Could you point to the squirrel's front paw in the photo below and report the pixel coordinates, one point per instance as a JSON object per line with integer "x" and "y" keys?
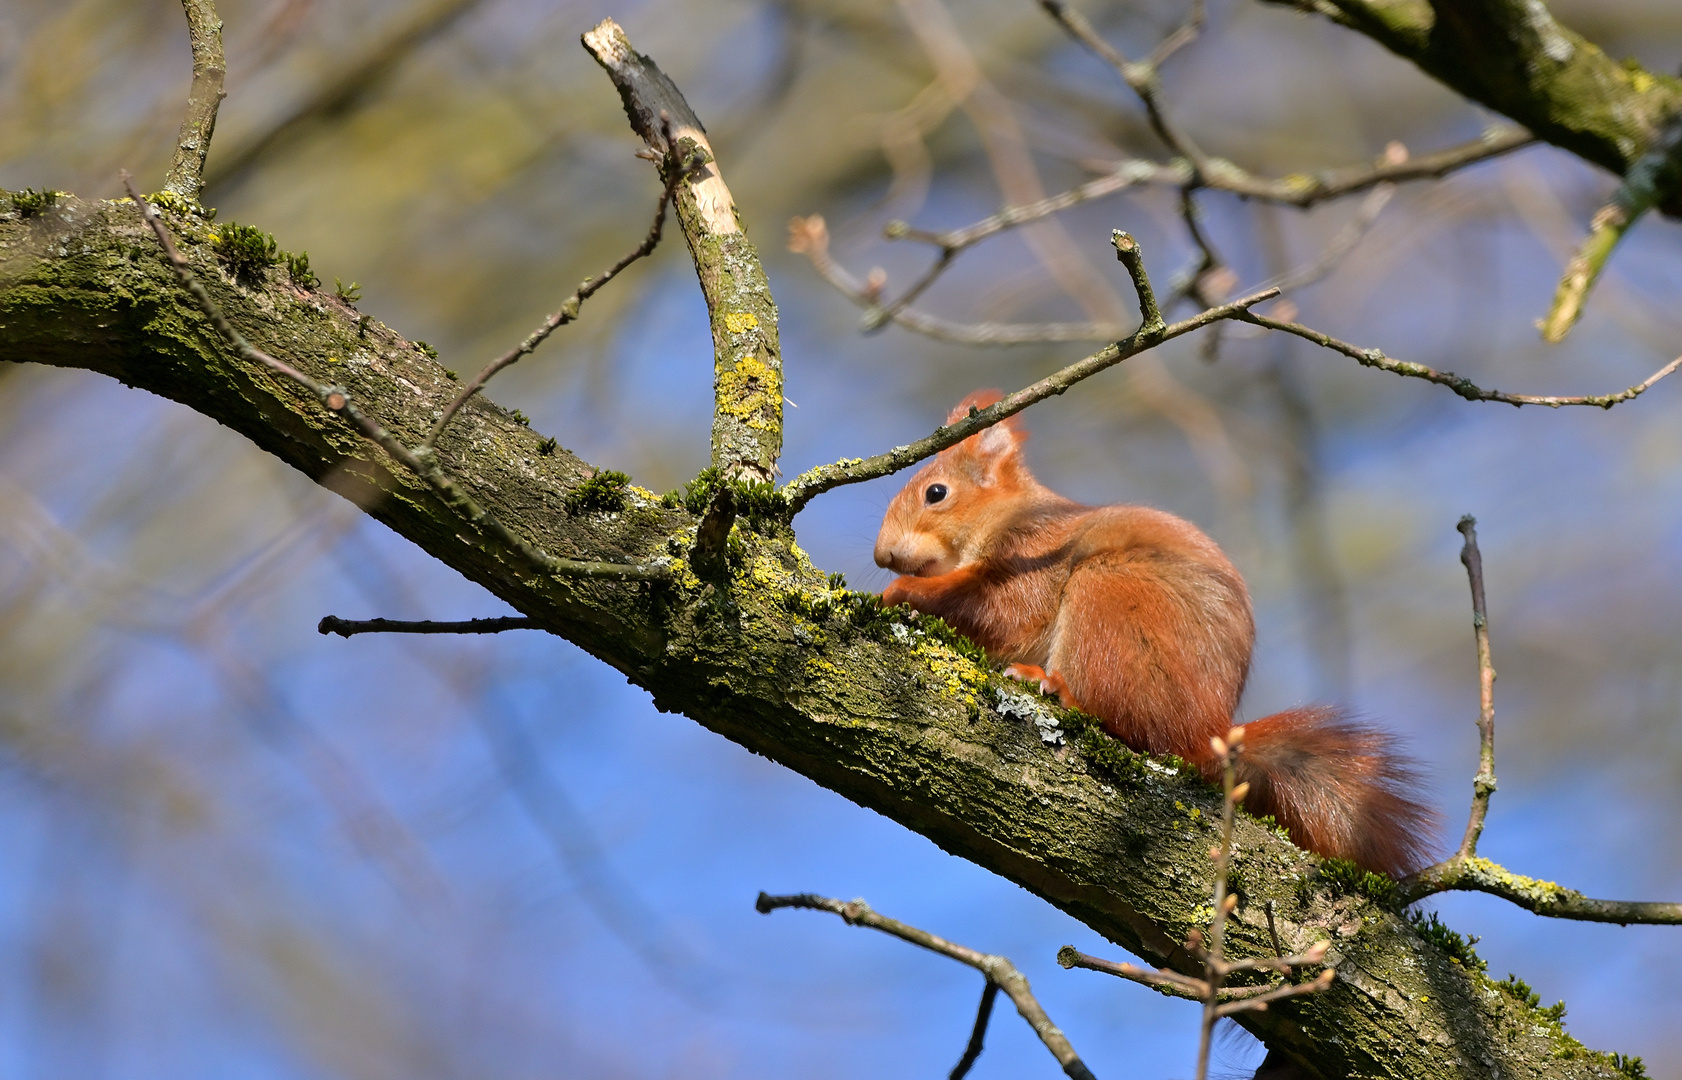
{"x": 896, "y": 593}
{"x": 1030, "y": 673}
{"x": 1050, "y": 682}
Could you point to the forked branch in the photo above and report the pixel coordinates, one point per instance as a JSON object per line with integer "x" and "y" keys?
{"x": 1151, "y": 333}
{"x": 999, "y": 971}
{"x": 1465, "y": 870}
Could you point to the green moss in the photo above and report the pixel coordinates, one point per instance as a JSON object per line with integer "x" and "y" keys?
{"x": 547, "y": 446}
{"x": 180, "y": 205}
{"x": 298, "y": 269}
{"x": 1347, "y": 879}
{"x": 1457, "y": 946}
{"x": 246, "y": 249}
{"x": 1520, "y": 991}
{"x": 521, "y": 418}
{"x": 350, "y": 294}
{"x": 30, "y": 203}
{"x": 431, "y": 353}
{"x": 604, "y": 491}
{"x": 760, "y": 503}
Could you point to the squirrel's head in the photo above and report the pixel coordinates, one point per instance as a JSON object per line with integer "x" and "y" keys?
{"x": 957, "y": 504}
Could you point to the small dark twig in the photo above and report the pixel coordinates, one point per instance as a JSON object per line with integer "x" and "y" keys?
{"x": 1000, "y": 971}
{"x": 568, "y": 310}
{"x": 204, "y": 99}
{"x": 1375, "y": 358}
{"x": 337, "y": 400}
{"x": 984, "y": 1013}
{"x": 332, "y": 624}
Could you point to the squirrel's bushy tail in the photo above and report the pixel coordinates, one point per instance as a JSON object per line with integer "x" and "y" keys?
{"x": 1338, "y": 786}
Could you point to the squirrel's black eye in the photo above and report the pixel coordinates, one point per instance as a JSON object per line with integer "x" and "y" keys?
{"x": 935, "y": 493}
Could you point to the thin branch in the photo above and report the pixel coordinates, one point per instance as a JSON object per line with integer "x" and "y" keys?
{"x": 809, "y": 236}
{"x": 1179, "y": 39}
{"x": 983, "y": 1013}
{"x": 999, "y": 970}
{"x": 569, "y": 309}
{"x": 1478, "y": 874}
{"x": 337, "y": 400}
{"x": 1141, "y": 77}
{"x": 204, "y": 29}
{"x": 816, "y": 481}
{"x": 1375, "y": 358}
{"x": 332, "y": 624}
{"x": 1465, "y": 870}
{"x": 1341, "y": 244}
{"x": 1655, "y": 177}
{"x": 1483, "y": 784}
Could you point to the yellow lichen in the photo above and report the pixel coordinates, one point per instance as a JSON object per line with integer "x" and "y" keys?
{"x": 749, "y": 390}
{"x": 738, "y": 322}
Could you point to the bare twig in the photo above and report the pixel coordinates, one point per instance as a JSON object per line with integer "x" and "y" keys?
{"x": 332, "y": 624}
{"x": 186, "y": 169}
{"x": 568, "y": 311}
{"x": 809, "y": 236}
{"x": 983, "y": 1013}
{"x": 1375, "y": 358}
{"x": 1483, "y": 784}
{"x": 1140, "y": 76}
{"x": 998, "y": 970}
{"x": 1465, "y": 870}
{"x": 1180, "y": 38}
{"x": 1341, "y": 244}
{"x": 1654, "y": 177}
{"x": 337, "y": 400}
{"x": 814, "y": 482}
{"x": 1478, "y": 874}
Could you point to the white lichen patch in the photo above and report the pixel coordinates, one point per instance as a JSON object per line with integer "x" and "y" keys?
{"x": 1017, "y": 705}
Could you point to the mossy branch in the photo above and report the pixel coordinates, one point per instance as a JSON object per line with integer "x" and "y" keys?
{"x": 1513, "y": 56}
{"x": 747, "y": 433}
{"x": 204, "y": 99}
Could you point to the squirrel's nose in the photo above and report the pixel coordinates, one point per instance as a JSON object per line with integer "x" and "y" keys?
{"x": 885, "y": 556}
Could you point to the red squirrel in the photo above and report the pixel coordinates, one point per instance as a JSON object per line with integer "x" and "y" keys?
{"x": 1135, "y": 616}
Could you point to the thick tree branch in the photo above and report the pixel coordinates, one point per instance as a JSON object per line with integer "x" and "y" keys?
{"x": 873, "y": 705}
{"x": 747, "y": 359}
{"x": 1513, "y": 56}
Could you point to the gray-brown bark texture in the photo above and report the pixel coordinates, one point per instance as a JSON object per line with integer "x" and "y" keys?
{"x": 1513, "y": 56}
{"x": 880, "y": 708}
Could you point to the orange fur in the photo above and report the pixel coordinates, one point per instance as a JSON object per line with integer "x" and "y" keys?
{"x": 1137, "y": 617}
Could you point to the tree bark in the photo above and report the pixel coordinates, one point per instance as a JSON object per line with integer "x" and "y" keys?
{"x": 1513, "y": 56}
{"x": 879, "y": 707}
